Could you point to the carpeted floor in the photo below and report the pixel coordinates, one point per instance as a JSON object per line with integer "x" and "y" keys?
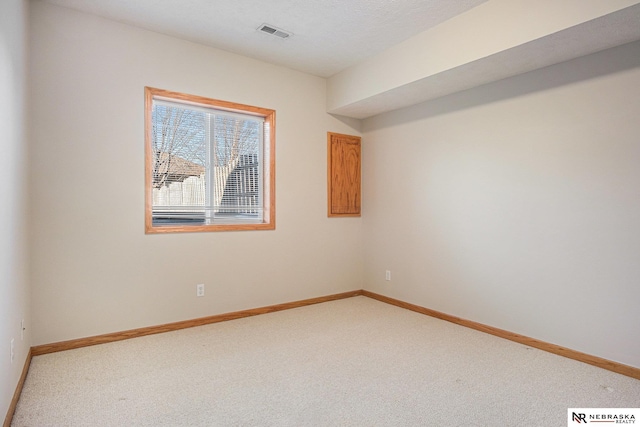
{"x": 352, "y": 362}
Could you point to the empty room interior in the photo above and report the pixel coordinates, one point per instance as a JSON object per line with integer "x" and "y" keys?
{"x": 497, "y": 186}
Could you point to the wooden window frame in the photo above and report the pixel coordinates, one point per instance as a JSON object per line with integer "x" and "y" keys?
{"x": 269, "y": 180}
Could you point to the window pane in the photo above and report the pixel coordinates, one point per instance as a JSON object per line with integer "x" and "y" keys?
{"x": 237, "y": 159}
{"x": 180, "y": 161}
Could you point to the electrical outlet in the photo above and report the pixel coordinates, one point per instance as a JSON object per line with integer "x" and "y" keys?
{"x": 13, "y": 354}
{"x": 200, "y": 290}
{"x": 387, "y": 275}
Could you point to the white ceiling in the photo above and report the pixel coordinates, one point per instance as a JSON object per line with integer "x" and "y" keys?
{"x": 328, "y": 35}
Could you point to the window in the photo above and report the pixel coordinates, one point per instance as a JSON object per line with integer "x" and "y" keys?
{"x": 210, "y": 165}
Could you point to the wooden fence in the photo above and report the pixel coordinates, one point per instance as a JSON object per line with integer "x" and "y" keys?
{"x": 192, "y": 191}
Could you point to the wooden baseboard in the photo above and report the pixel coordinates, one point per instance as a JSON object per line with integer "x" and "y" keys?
{"x": 16, "y": 394}
{"x": 134, "y": 333}
{"x": 609, "y": 365}
{"x": 619, "y": 368}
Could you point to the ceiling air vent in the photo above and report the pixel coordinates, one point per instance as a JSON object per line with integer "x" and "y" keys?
{"x": 274, "y": 31}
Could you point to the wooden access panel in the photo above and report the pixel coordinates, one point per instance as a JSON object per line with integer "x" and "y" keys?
{"x": 343, "y": 174}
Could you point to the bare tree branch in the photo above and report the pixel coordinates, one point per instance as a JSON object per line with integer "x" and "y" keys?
{"x": 180, "y": 146}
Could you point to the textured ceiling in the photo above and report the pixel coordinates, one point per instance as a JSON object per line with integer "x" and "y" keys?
{"x": 328, "y": 35}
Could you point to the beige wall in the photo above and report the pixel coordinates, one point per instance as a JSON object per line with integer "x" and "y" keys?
{"x": 516, "y": 204}
{"x": 14, "y": 289}
{"x": 94, "y": 269}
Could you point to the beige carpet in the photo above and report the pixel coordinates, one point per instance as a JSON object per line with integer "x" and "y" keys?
{"x": 353, "y": 362}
